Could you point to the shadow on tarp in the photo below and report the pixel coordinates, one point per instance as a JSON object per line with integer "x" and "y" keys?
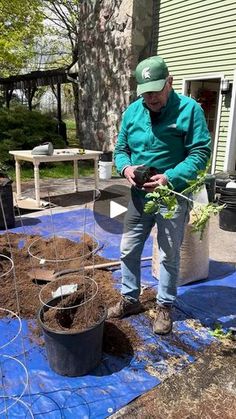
{"x": 212, "y": 301}
{"x": 218, "y": 269}
{"x": 27, "y": 221}
{"x": 117, "y": 381}
{"x": 69, "y": 199}
{"x": 210, "y": 304}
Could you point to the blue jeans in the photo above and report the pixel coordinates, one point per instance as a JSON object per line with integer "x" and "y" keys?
{"x": 170, "y": 232}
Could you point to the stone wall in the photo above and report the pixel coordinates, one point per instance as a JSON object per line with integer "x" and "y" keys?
{"x": 114, "y": 36}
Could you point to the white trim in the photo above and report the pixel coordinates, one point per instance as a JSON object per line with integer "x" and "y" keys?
{"x": 230, "y": 152}
{"x": 184, "y": 91}
{"x": 200, "y": 77}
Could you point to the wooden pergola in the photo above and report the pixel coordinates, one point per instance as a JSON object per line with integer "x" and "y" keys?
{"x": 31, "y": 81}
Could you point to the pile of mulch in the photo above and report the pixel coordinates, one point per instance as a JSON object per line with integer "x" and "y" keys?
{"x": 60, "y": 250}
{"x": 20, "y": 294}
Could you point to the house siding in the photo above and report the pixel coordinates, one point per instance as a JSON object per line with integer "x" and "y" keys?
{"x": 199, "y": 37}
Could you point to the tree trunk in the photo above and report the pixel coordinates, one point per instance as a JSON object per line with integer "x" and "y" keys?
{"x": 114, "y": 36}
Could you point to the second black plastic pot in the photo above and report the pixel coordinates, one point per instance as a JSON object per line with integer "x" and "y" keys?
{"x": 227, "y": 216}
{"x": 106, "y": 156}
{"x": 228, "y": 193}
{"x": 210, "y": 183}
{"x": 222, "y": 178}
{"x": 73, "y": 353}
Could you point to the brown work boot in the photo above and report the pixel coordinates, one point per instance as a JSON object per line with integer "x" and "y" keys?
{"x": 124, "y": 308}
{"x": 163, "y": 321}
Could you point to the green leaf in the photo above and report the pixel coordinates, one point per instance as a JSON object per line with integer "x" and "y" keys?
{"x": 154, "y": 194}
{"x": 20, "y": 23}
{"x": 150, "y": 207}
{"x": 219, "y": 332}
{"x": 164, "y": 195}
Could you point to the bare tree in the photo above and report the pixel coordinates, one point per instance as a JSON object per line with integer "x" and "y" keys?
{"x": 63, "y": 24}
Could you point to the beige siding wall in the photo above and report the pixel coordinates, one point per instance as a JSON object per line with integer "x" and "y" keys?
{"x": 198, "y": 37}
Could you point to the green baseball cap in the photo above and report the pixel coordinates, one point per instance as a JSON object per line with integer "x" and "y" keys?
{"x": 151, "y": 75}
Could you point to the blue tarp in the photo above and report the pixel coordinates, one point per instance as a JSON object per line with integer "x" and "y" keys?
{"x": 117, "y": 381}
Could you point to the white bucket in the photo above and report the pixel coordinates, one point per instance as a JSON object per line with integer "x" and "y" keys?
{"x": 105, "y": 169}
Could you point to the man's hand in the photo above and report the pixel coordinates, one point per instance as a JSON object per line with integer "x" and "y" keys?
{"x": 154, "y": 182}
{"x": 129, "y": 174}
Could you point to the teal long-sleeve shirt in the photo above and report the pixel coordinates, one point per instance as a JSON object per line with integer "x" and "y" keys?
{"x": 177, "y": 143}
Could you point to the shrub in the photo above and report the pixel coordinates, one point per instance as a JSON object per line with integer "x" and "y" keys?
{"x": 21, "y": 129}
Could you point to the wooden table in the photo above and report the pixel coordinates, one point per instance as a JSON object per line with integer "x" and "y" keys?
{"x": 69, "y": 154}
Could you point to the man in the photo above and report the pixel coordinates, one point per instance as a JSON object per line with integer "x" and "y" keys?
{"x": 168, "y": 132}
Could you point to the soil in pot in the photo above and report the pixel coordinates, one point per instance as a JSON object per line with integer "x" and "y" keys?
{"x": 77, "y": 311}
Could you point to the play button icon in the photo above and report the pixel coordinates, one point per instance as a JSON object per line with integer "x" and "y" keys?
{"x": 116, "y": 209}
{"x": 110, "y": 208}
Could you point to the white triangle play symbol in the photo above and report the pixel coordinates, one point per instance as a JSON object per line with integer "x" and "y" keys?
{"x": 116, "y": 209}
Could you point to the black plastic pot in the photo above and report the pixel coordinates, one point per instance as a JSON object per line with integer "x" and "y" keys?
{"x": 6, "y": 195}
{"x": 227, "y": 217}
{"x": 228, "y": 193}
{"x": 222, "y": 178}
{"x": 69, "y": 353}
{"x": 210, "y": 183}
{"x": 106, "y": 156}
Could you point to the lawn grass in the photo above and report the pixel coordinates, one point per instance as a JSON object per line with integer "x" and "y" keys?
{"x": 71, "y": 132}
{"x": 59, "y": 170}
{"x": 70, "y": 124}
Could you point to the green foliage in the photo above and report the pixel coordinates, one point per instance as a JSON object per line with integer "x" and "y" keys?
{"x": 196, "y": 184}
{"x": 220, "y": 333}
{"x": 20, "y": 22}
{"x": 70, "y": 124}
{"x": 165, "y": 196}
{"x": 4, "y": 170}
{"x": 203, "y": 214}
{"x": 21, "y": 129}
